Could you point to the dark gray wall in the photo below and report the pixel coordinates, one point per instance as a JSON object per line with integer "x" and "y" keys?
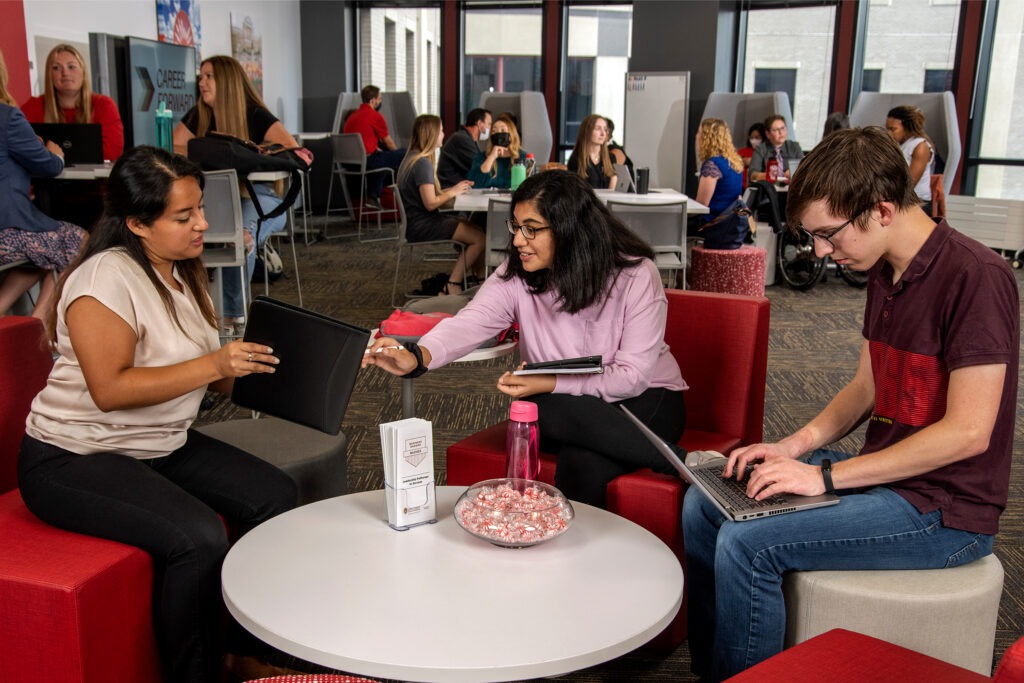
{"x": 328, "y": 59}
{"x": 698, "y": 36}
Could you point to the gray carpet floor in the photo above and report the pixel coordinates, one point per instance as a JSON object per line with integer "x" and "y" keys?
{"x": 814, "y": 340}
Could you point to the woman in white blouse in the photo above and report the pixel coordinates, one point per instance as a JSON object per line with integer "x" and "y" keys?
{"x": 108, "y": 450}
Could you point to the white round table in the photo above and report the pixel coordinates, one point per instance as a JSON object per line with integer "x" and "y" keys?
{"x": 331, "y": 583}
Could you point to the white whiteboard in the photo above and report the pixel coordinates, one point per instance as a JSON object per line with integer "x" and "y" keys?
{"x": 656, "y": 121}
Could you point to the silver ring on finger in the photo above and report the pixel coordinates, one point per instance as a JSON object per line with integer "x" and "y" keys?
{"x": 250, "y": 356}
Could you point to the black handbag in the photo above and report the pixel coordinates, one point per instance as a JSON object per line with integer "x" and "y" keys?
{"x": 219, "y": 151}
{"x": 729, "y": 229}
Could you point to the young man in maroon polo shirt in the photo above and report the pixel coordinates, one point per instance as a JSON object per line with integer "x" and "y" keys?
{"x": 936, "y": 382}
{"x": 381, "y": 150}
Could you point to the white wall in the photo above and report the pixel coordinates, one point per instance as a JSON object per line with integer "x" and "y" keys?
{"x": 276, "y": 20}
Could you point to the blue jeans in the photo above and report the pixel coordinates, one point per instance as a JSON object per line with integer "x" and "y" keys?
{"x": 737, "y": 615}
{"x": 234, "y": 302}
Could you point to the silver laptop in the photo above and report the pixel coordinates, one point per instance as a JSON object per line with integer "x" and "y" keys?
{"x": 625, "y": 182}
{"x": 729, "y": 495}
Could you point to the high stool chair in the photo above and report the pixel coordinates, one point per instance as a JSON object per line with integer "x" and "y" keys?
{"x": 949, "y": 614}
{"x": 729, "y": 271}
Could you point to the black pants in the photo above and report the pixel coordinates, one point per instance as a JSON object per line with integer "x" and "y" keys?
{"x": 169, "y": 507}
{"x": 596, "y": 443}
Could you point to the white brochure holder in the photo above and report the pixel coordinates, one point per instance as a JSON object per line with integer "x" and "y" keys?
{"x": 408, "y": 450}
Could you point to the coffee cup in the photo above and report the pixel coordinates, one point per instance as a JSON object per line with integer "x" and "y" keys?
{"x": 643, "y": 180}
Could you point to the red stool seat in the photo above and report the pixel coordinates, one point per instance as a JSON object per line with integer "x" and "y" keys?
{"x": 728, "y": 271}
{"x": 73, "y": 608}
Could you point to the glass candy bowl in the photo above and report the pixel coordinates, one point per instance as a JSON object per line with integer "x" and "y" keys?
{"x": 513, "y": 513}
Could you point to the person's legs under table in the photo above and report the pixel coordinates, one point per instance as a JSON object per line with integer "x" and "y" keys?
{"x": 168, "y": 506}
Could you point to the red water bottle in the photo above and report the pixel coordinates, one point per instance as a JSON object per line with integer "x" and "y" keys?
{"x": 522, "y": 441}
{"x": 771, "y": 170}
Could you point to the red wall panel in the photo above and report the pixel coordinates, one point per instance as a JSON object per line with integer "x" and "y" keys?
{"x": 15, "y": 48}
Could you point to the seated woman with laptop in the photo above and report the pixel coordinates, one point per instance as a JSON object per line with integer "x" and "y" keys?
{"x": 68, "y": 98}
{"x": 579, "y": 283}
{"x": 493, "y": 168}
{"x": 590, "y": 158}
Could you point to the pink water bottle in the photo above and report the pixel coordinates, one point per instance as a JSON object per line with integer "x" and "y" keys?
{"x": 522, "y": 442}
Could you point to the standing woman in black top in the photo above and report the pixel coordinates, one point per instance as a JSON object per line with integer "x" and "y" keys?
{"x": 229, "y": 104}
{"x": 590, "y": 158}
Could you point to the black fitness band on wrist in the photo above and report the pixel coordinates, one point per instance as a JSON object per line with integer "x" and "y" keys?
{"x": 826, "y": 474}
{"x": 414, "y": 349}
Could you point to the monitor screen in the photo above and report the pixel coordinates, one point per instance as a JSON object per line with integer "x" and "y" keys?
{"x": 158, "y": 72}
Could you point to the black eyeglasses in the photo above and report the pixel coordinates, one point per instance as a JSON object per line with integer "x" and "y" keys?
{"x": 529, "y": 232}
{"x": 827, "y": 234}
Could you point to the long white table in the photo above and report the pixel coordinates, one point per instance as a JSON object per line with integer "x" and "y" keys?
{"x": 331, "y": 583}
{"x": 477, "y": 200}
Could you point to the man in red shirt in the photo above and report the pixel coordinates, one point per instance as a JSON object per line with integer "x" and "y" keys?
{"x": 381, "y": 150}
{"x": 936, "y": 383}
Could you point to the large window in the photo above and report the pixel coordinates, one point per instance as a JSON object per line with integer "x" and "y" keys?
{"x": 1003, "y": 117}
{"x": 596, "y": 60}
{"x": 398, "y": 52}
{"x": 791, "y": 50}
{"x": 502, "y": 53}
{"x": 913, "y": 43}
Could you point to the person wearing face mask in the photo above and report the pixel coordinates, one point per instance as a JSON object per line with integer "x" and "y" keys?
{"x": 460, "y": 149}
{"x": 755, "y": 137}
{"x": 381, "y": 150}
{"x": 68, "y": 98}
{"x": 777, "y": 147}
{"x": 493, "y": 168}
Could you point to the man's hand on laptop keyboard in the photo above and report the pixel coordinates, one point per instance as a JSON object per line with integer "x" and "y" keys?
{"x": 784, "y": 475}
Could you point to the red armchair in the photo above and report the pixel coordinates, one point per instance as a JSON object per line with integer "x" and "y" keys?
{"x": 73, "y": 608}
{"x": 842, "y": 656}
{"x": 721, "y": 344}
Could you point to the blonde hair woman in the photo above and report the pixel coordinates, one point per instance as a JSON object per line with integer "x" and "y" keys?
{"x": 26, "y": 233}
{"x": 229, "y": 104}
{"x": 5, "y": 95}
{"x": 493, "y": 168}
{"x": 68, "y": 98}
{"x": 721, "y": 167}
{"x": 590, "y": 158}
{"x": 423, "y": 197}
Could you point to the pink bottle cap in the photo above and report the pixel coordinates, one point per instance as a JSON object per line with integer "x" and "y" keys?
{"x": 523, "y": 411}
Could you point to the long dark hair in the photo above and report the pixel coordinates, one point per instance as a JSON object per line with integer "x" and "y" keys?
{"x": 591, "y": 244}
{"x": 139, "y": 186}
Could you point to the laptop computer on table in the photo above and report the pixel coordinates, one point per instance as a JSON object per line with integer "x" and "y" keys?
{"x": 729, "y": 495}
{"x": 82, "y": 142}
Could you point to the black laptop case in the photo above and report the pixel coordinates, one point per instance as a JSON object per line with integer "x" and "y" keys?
{"x": 320, "y": 358}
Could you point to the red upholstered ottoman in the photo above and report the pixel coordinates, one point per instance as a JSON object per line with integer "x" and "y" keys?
{"x": 841, "y": 656}
{"x": 728, "y": 271}
{"x": 73, "y": 608}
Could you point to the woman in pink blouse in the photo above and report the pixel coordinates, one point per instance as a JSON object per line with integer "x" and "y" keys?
{"x": 579, "y": 283}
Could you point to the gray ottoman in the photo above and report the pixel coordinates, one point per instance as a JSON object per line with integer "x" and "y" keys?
{"x": 949, "y": 614}
{"x": 314, "y": 460}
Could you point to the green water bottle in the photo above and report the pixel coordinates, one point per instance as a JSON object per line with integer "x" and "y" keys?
{"x": 164, "y": 136}
{"x": 518, "y": 173}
